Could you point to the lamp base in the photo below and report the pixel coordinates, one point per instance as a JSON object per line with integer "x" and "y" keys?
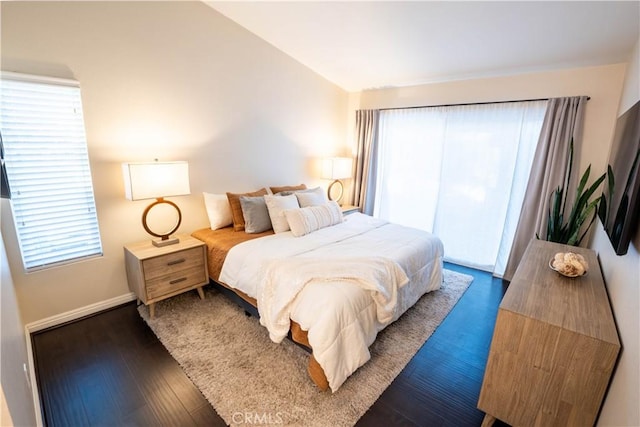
{"x": 160, "y": 243}
{"x": 340, "y": 186}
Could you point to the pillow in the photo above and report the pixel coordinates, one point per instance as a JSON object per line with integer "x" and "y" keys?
{"x": 306, "y": 220}
{"x": 236, "y": 209}
{"x": 313, "y": 197}
{"x": 276, "y": 190}
{"x": 218, "y": 210}
{"x": 255, "y": 214}
{"x": 276, "y": 205}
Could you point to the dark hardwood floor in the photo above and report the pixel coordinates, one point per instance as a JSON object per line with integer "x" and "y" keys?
{"x": 441, "y": 384}
{"x": 110, "y": 369}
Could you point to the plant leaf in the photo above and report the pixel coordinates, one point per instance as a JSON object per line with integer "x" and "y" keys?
{"x": 555, "y": 216}
{"x": 591, "y": 208}
{"x": 567, "y": 178}
{"x": 579, "y": 201}
{"x": 583, "y": 201}
{"x": 593, "y": 218}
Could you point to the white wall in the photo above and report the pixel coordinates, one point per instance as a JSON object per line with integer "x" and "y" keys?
{"x": 174, "y": 81}
{"x": 19, "y": 408}
{"x": 622, "y": 275}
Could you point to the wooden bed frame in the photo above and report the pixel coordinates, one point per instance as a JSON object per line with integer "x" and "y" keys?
{"x": 296, "y": 333}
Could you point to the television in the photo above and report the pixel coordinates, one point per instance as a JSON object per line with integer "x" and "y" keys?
{"x": 619, "y": 208}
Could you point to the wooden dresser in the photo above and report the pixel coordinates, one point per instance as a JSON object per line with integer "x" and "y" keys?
{"x": 554, "y": 345}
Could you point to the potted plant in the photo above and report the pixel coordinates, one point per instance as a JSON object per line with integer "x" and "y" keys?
{"x": 571, "y": 229}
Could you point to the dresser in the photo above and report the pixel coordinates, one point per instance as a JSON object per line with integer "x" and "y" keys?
{"x": 156, "y": 273}
{"x": 554, "y": 345}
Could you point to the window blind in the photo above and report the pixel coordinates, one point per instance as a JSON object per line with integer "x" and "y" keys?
{"x": 47, "y": 166}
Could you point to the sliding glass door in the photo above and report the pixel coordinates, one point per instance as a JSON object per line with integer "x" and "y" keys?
{"x": 459, "y": 172}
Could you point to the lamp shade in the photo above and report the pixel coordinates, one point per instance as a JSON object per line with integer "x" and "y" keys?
{"x": 155, "y": 179}
{"x": 337, "y": 167}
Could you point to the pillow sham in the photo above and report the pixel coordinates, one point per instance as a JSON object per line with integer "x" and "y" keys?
{"x": 218, "y": 210}
{"x": 255, "y": 214}
{"x": 312, "y": 197}
{"x": 307, "y": 220}
{"x": 277, "y": 205}
{"x": 276, "y": 190}
{"x": 236, "y": 209}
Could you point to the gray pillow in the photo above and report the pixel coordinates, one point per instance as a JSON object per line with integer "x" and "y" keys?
{"x": 255, "y": 213}
{"x": 311, "y": 197}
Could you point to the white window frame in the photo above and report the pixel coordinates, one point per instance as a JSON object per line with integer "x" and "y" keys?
{"x": 47, "y": 165}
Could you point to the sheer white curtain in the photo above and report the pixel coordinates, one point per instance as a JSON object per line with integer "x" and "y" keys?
{"x": 459, "y": 172}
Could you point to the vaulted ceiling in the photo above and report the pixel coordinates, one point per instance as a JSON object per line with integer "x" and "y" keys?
{"x": 370, "y": 44}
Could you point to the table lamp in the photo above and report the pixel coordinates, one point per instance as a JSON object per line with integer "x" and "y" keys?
{"x": 336, "y": 168}
{"x": 157, "y": 180}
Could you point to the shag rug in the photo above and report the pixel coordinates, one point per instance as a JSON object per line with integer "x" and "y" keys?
{"x": 251, "y": 380}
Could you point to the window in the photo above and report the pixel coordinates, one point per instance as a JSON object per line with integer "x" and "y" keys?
{"x": 459, "y": 172}
{"x": 47, "y": 166}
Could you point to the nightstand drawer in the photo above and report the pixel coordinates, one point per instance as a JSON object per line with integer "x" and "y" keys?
{"x": 169, "y": 263}
{"x": 175, "y": 281}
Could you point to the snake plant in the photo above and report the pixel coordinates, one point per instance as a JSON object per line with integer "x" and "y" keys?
{"x": 567, "y": 229}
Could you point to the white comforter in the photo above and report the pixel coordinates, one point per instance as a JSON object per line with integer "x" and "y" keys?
{"x": 342, "y": 284}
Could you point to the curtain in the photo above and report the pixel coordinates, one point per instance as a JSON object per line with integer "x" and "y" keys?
{"x": 563, "y": 121}
{"x": 366, "y": 137}
{"x": 459, "y": 172}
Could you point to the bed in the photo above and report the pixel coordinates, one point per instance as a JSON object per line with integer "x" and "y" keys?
{"x": 332, "y": 290}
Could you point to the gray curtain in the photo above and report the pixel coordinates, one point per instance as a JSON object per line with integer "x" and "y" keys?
{"x": 367, "y": 140}
{"x": 563, "y": 120}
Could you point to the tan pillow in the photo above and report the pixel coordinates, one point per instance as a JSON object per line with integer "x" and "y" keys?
{"x": 276, "y": 190}
{"x": 236, "y": 208}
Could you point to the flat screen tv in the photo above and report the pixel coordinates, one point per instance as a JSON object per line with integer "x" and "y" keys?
{"x": 620, "y": 206}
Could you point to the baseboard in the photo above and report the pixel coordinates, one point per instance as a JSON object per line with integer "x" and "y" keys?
{"x": 33, "y": 382}
{"x": 56, "y": 320}
{"x": 78, "y": 313}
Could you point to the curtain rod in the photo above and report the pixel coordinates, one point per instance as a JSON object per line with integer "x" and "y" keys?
{"x": 468, "y": 103}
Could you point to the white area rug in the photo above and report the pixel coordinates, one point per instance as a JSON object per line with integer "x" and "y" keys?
{"x": 250, "y": 380}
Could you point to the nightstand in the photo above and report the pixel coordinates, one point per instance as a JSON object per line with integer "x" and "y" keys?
{"x": 348, "y": 209}
{"x": 157, "y": 273}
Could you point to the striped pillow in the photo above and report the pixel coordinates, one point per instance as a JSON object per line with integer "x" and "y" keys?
{"x": 306, "y": 220}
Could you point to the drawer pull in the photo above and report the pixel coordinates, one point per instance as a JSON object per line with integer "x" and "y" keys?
{"x": 173, "y": 282}
{"x": 178, "y": 261}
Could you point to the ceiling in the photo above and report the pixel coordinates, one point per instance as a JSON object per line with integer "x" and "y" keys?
{"x": 362, "y": 45}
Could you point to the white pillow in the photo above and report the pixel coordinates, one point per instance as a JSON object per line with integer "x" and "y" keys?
{"x": 277, "y": 206}
{"x": 218, "y": 210}
{"x": 306, "y": 220}
{"x": 312, "y": 197}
